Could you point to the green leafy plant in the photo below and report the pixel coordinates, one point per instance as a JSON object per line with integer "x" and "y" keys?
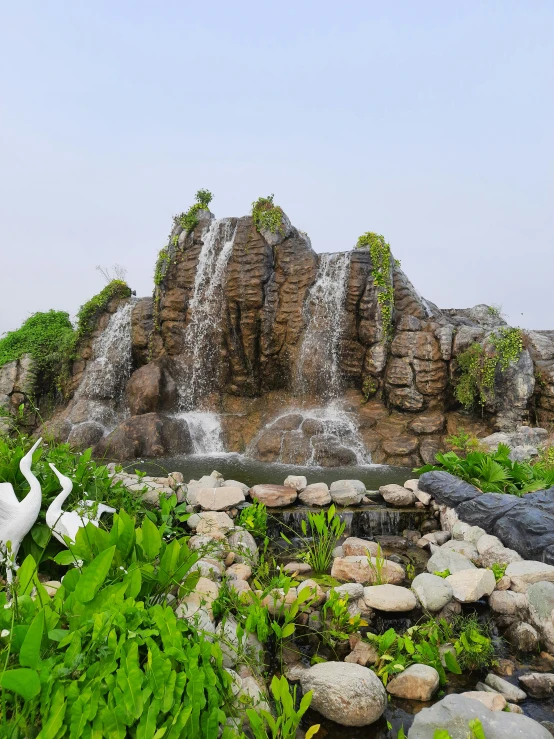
{"x": 254, "y": 518}
{"x": 477, "y": 366}
{"x": 494, "y": 472}
{"x": 98, "y": 659}
{"x": 316, "y": 548}
{"x": 286, "y": 721}
{"x": 267, "y": 216}
{"x": 475, "y": 727}
{"x": 381, "y": 269}
{"x": 369, "y": 388}
{"x": 89, "y": 312}
{"x": 377, "y": 565}
{"x": 442, "y": 573}
{"x": 337, "y": 619}
{"x": 498, "y": 570}
{"x": 189, "y": 220}
{"x": 410, "y": 571}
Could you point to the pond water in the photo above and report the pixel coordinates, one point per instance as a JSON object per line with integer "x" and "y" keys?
{"x": 252, "y": 472}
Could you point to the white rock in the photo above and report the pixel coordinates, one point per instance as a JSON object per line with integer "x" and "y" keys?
{"x": 493, "y": 701}
{"x": 316, "y": 494}
{"x": 487, "y": 542}
{"x": 424, "y": 498}
{"x": 355, "y": 547}
{"x": 525, "y": 573}
{"x": 412, "y": 485}
{"x": 235, "y": 484}
{"x": 391, "y": 598}
{"x": 397, "y": 495}
{"x": 219, "y": 499}
{"x": 358, "y": 485}
{"x": 297, "y": 482}
{"x": 416, "y": 682}
{"x": 349, "y": 694}
{"x": 508, "y": 603}
{"x": 445, "y": 559}
{"x": 469, "y": 586}
{"x": 462, "y": 547}
{"x": 509, "y": 691}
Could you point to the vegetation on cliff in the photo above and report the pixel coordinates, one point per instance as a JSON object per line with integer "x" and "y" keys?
{"x": 47, "y": 337}
{"x": 477, "y": 366}
{"x": 267, "y": 216}
{"x": 189, "y": 220}
{"x": 90, "y": 312}
{"x": 381, "y": 268}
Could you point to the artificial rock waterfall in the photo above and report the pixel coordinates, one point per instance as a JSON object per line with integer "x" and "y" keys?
{"x": 255, "y": 343}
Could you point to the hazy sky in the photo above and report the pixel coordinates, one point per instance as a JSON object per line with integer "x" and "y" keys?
{"x": 430, "y": 122}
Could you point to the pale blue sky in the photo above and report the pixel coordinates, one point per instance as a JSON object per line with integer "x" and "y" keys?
{"x": 431, "y": 122}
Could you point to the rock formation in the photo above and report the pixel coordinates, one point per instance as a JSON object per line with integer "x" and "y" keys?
{"x": 281, "y": 341}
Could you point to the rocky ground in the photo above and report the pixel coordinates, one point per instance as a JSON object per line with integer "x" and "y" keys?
{"x": 519, "y": 599}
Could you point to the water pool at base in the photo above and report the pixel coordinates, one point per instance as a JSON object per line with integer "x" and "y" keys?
{"x": 252, "y": 472}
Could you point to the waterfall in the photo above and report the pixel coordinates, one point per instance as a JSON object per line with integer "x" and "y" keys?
{"x": 205, "y": 430}
{"x": 317, "y": 369}
{"x": 204, "y": 324}
{"x": 313, "y": 435}
{"x": 100, "y": 397}
{"x": 107, "y": 372}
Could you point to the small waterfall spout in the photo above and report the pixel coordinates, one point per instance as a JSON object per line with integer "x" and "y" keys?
{"x": 205, "y": 431}
{"x": 316, "y": 437}
{"x": 317, "y": 368}
{"x": 99, "y": 402}
{"x": 204, "y": 323}
{"x": 109, "y": 369}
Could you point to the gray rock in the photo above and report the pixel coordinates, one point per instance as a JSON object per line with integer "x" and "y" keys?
{"x": 453, "y": 714}
{"x": 485, "y": 510}
{"x": 347, "y": 495}
{"x": 508, "y": 603}
{"x": 540, "y": 597}
{"x": 529, "y": 526}
{"x": 538, "y": 684}
{"x": 523, "y": 637}
{"x": 466, "y": 548}
{"x": 447, "y": 489}
{"x": 244, "y": 545}
{"x": 444, "y": 559}
{"x": 353, "y": 590}
{"x": 509, "y": 691}
{"x": 358, "y": 485}
{"x": 470, "y": 586}
{"x": 346, "y": 693}
{"x": 432, "y": 591}
{"x": 316, "y": 494}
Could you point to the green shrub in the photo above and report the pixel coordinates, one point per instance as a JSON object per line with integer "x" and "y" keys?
{"x": 475, "y": 383}
{"x": 267, "y": 216}
{"x": 316, "y": 547}
{"x": 494, "y": 472}
{"x": 47, "y": 337}
{"x": 89, "y": 312}
{"x": 189, "y": 219}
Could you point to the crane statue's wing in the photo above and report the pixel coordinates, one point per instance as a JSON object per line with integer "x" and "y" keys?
{"x": 9, "y": 503}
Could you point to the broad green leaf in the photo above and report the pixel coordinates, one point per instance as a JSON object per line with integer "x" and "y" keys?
{"x": 29, "y": 654}
{"x": 64, "y": 558}
{"x": 25, "y": 683}
{"x": 55, "y": 717}
{"x": 451, "y": 663}
{"x": 26, "y": 575}
{"x": 41, "y": 534}
{"x": 151, "y": 540}
{"x": 312, "y": 731}
{"x": 94, "y": 575}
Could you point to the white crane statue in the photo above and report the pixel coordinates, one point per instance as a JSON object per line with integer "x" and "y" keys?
{"x": 18, "y": 516}
{"x": 66, "y": 524}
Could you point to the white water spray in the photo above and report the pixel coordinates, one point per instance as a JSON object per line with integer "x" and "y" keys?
{"x": 317, "y": 369}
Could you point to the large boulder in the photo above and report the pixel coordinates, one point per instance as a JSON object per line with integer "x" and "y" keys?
{"x": 486, "y": 509}
{"x": 453, "y": 714}
{"x": 149, "y": 435}
{"x": 346, "y": 693}
{"x": 151, "y": 388}
{"x": 470, "y": 586}
{"x": 528, "y": 527}
{"x": 447, "y": 489}
{"x": 358, "y": 569}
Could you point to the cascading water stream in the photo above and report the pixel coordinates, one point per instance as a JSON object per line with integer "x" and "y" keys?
{"x": 205, "y": 431}
{"x": 100, "y": 397}
{"x": 204, "y": 324}
{"x": 317, "y": 368}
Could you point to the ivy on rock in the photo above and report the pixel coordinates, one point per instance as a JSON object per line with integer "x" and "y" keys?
{"x": 381, "y": 266}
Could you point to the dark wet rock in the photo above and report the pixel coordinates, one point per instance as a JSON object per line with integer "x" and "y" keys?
{"x": 528, "y": 527}
{"x": 486, "y": 509}
{"x": 447, "y": 489}
{"x": 85, "y": 434}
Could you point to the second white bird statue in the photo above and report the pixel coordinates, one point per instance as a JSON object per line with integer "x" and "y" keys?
{"x": 18, "y": 516}
{"x": 66, "y": 524}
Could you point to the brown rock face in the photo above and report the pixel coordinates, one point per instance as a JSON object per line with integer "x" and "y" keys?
{"x": 149, "y": 435}
{"x": 151, "y": 388}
